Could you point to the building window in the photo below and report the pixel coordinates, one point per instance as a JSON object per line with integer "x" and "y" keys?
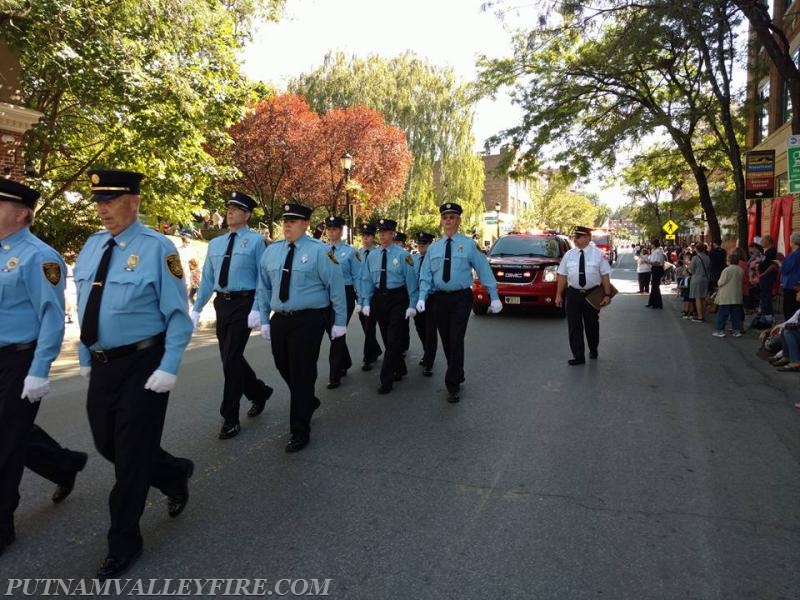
{"x": 781, "y": 185}
{"x": 762, "y": 113}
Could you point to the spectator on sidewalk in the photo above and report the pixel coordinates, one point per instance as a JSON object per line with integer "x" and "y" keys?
{"x": 718, "y": 258}
{"x": 790, "y": 276}
{"x": 656, "y": 260}
{"x": 767, "y": 274}
{"x": 698, "y": 285}
{"x": 643, "y": 269}
{"x": 729, "y": 297}
{"x": 756, "y": 256}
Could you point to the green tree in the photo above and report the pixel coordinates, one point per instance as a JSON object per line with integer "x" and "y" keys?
{"x": 556, "y": 206}
{"x": 427, "y": 103}
{"x": 143, "y": 84}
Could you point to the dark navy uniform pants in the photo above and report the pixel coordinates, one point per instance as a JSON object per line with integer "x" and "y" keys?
{"x": 126, "y": 422}
{"x": 389, "y": 310}
{"x": 426, "y": 330}
{"x": 581, "y": 316}
{"x": 16, "y": 420}
{"x": 372, "y": 349}
{"x": 450, "y": 312}
{"x": 339, "y": 356}
{"x": 48, "y": 459}
{"x": 296, "y": 340}
{"x": 232, "y": 337}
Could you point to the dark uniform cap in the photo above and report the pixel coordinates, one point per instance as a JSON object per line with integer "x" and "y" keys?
{"x": 243, "y": 201}
{"x": 296, "y": 211}
{"x": 386, "y": 225}
{"x": 400, "y": 237}
{"x": 11, "y": 191}
{"x": 450, "y": 207}
{"x": 425, "y": 238}
{"x": 367, "y": 229}
{"x": 107, "y": 185}
{"x": 334, "y": 222}
{"x": 580, "y": 230}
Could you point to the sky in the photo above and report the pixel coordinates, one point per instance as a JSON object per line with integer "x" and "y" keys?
{"x": 449, "y": 33}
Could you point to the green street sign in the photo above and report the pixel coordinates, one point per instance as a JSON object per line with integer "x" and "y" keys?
{"x": 794, "y": 186}
{"x": 793, "y": 159}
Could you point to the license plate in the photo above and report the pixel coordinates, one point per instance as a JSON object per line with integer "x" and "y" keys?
{"x": 512, "y": 299}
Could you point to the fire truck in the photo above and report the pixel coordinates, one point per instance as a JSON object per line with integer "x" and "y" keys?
{"x": 604, "y": 239}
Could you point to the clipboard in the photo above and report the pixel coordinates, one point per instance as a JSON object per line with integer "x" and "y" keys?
{"x": 595, "y": 297}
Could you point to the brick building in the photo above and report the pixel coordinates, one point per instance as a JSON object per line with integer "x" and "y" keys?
{"x": 769, "y": 128}
{"x": 15, "y": 119}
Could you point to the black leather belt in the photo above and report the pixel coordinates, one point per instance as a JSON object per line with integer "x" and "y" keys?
{"x": 239, "y": 294}
{"x": 105, "y": 356}
{"x": 11, "y": 348}
{"x": 446, "y": 293}
{"x": 584, "y": 292}
{"x": 390, "y": 291}
{"x": 296, "y": 313}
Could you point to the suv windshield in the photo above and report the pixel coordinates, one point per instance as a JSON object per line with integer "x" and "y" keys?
{"x": 526, "y": 246}
{"x": 600, "y": 240}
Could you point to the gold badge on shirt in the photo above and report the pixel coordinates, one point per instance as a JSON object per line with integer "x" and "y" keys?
{"x": 174, "y": 265}
{"x": 52, "y": 272}
{"x": 133, "y": 262}
{"x": 12, "y": 263}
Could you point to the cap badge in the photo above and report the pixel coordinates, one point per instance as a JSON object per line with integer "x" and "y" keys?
{"x": 382, "y": 221}
{"x": 449, "y": 205}
{"x": 95, "y": 179}
{"x": 133, "y": 262}
{"x": 286, "y": 207}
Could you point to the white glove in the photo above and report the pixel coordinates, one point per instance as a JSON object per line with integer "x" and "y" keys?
{"x": 410, "y": 312}
{"x": 86, "y": 372}
{"x": 496, "y": 306}
{"x": 338, "y": 331}
{"x": 161, "y": 381}
{"x": 195, "y": 317}
{"x": 35, "y": 388}
{"x": 421, "y": 306}
{"x": 358, "y": 308}
{"x": 365, "y": 311}
{"x": 254, "y": 319}
{"x": 265, "y": 332}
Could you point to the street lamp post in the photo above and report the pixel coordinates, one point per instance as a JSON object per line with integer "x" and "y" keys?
{"x": 346, "y": 161}
{"x": 497, "y": 207}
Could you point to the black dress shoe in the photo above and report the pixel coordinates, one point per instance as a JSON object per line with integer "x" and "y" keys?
{"x": 453, "y": 397}
{"x": 297, "y": 443}
{"x": 397, "y": 376}
{"x": 229, "y": 431}
{"x": 593, "y": 355}
{"x": 577, "y": 361}
{"x": 366, "y": 367}
{"x": 427, "y": 372}
{"x": 317, "y": 403}
{"x": 421, "y": 363}
{"x": 384, "y": 389}
{"x": 5, "y": 542}
{"x": 332, "y": 385}
{"x": 113, "y": 566}
{"x": 258, "y": 405}
{"x": 344, "y": 372}
{"x": 62, "y": 491}
{"x": 176, "y": 503}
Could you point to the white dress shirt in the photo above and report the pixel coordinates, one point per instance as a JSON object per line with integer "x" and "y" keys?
{"x": 657, "y": 257}
{"x": 595, "y": 263}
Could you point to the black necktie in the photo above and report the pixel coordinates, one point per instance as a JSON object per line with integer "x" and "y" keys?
{"x": 286, "y": 275}
{"x": 448, "y": 256}
{"x": 382, "y": 284}
{"x": 226, "y": 262}
{"x": 582, "y": 271}
{"x": 91, "y": 316}
{"x": 421, "y": 260}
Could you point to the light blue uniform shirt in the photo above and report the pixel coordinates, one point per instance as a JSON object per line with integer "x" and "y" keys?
{"x": 418, "y": 259}
{"x": 31, "y": 305}
{"x": 144, "y": 293}
{"x": 359, "y": 284}
{"x": 465, "y": 257}
{"x": 399, "y": 273}
{"x": 243, "y": 271}
{"x": 316, "y": 281}
{"x": 350, "y": 262}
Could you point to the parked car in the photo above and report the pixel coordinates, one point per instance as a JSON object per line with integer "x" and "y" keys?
{"x": 524, "y": 266}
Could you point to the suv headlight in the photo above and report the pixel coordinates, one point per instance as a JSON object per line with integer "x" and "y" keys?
{"x": 549, "y": 274}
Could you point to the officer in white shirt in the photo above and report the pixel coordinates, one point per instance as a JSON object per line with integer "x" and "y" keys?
{"x": 582, "y": 270}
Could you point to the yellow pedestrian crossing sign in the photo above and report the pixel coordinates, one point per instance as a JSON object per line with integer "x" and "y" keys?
{"x": 670, "y": 227}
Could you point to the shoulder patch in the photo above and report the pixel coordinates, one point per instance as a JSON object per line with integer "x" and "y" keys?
{"x": 174, "y": 265}
{"x": 52, "y": 272}
{"x": 332, "y": 256}
{"x": 409, "y": 260}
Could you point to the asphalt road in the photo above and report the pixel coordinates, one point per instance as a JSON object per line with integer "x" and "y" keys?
{"x": 668, "y": 468}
